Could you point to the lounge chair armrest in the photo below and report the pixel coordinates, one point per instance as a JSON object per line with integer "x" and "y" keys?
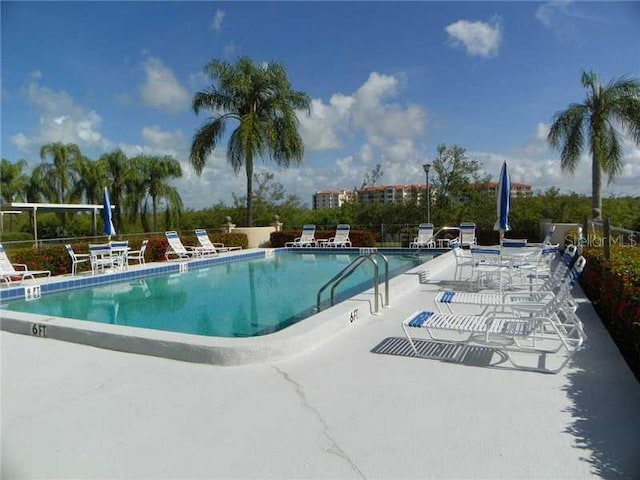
{"x": 21, "y": 266}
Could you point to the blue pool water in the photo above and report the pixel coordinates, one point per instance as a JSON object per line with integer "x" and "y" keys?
{"x": 240, "y": 299}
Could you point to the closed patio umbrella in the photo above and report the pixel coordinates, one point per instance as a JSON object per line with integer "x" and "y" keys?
{"x": 109, "y": 229}
{"x": 503, "y": 203}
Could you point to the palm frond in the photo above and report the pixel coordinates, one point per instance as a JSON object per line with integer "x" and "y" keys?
{"x": 611, "y": 159}
{"x": 204, "y": 141}
{"x": 566, "y": 133}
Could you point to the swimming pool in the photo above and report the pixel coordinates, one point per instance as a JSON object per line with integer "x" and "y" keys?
{"x": 239, "y": 299}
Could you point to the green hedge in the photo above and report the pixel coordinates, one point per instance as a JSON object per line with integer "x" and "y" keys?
{"x": 614, "y": 290}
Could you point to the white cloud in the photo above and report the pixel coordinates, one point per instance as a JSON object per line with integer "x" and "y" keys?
{"x": 161, "y": 89}
{"x": 319, "y": 130}
{"x": 367, "y": 111}
{"x": 216, "y": 23}
{"x": 478, "y": 38}
{"x": 61, "y": 119}
{"x": 539, "y": 166}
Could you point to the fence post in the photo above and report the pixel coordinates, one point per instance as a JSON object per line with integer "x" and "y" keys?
{"x": 606, "y": 232}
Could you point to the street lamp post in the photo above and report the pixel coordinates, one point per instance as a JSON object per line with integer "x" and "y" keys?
{"x": 426, "y": 167}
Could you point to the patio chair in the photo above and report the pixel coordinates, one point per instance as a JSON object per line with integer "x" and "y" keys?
{"x": 467, "y": 236}
{"x": 119, "y": 253}
{"x": 487, "y": 264}
{"x": 306, "y": 239}
{"x": 341, "y": 238}
{"x": 550, "y": 265}
{"x": 547, "y": 238}
{"x": 552, "y": 330}
{"x": 178, "y": 250}
{"x": 463, "y": 259}
{"x": 13, "y": 272}
{"x": 101, "y": 258}
{"x": 424, "y": 238}
{"x": 76, "y": 258}
{"x": 212, "y": 248}
{"x": 138, "y": 255}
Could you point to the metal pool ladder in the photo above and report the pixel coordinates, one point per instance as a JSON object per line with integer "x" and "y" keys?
{"x": 349, "y": 269}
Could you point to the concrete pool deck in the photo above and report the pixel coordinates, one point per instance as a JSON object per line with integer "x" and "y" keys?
{"x": 339, "y": 410}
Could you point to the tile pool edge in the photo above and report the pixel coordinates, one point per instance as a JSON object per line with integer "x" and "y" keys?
{"x": 297, "y": 338}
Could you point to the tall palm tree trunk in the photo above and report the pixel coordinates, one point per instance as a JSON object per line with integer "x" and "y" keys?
{"x": 249, "y": 170}
{"x": 596, "y": 186}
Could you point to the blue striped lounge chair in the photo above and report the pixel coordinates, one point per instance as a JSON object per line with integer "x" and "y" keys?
{"x": 341, "y": 238}
{"x": 177, "y": 250}
{"x": 551, "y": 336}
{"x": 424, "y": 238}
{"x": 306, "y": 239}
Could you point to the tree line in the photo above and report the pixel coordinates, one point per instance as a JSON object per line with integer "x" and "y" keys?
{"x": 138, "y": 186}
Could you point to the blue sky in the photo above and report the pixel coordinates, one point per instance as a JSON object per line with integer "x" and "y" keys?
{"x": 389, "y": 81}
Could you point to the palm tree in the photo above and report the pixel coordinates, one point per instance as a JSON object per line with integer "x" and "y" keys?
{"x": 606, "y": 107}
{"x": 158, "y": 170}
{"x": 63, "y": 172}
{"x": 38, "y": 187}
{"x": 260, "y": 100}
{"x": 13, "y": 182}
{"x": 136, "y": 190}
{"x": 117, "y": 169}
{"x": 91, "y": 180}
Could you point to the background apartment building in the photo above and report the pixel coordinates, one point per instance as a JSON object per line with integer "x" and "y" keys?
{"x": 390, "y": 194}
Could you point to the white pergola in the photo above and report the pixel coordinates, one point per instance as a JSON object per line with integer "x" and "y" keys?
{"x": 34, "y": 208}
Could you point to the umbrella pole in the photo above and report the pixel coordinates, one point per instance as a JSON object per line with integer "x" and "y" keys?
{"x": 500, "y": 266}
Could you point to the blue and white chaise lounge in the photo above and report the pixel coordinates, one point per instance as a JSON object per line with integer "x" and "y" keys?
{"x": 306, "y": 239}
{"x": 177, "y": 250}
{"x": 424, "y": 238}
{"x": 341, "y": 238}
{"x": 553, "y": 330}
{"x": 210, "y": 248}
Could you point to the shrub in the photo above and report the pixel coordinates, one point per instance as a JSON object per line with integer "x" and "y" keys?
{"x": 614, "y": 290}
{"x": 53, "y": 258}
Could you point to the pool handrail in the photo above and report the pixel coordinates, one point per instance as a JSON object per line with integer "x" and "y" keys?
{"x": 348, "y": 270}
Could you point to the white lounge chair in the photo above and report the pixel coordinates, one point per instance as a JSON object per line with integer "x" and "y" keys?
{"x": 17, "y": 272}
{"x": 467, "y": 234}
{"x": 76, "y": 258}
{"x": 138, "y": 255}
{"x": 306, "y": 239}
{"x": 424, "y": 238}
{"x": 178, "y": 250}
{"x": 212, "y": 248}
{"x": 552, "y": 330}
{"x": 341, "y": 238}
